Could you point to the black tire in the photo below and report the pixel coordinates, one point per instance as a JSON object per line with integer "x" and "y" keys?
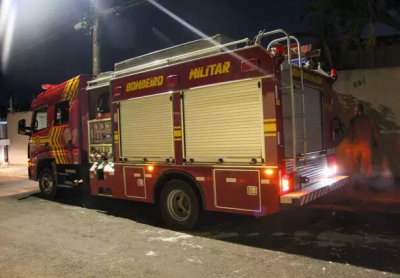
{"x": 48, "y": 191}
{"x": 185, "y": 215}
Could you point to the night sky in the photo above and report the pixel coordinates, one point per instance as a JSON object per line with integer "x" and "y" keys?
{"x": 46, "y": 48}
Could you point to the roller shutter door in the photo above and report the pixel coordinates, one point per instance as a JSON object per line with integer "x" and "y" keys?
{"x": 146, "y": 129}
{"x": 313, "y": 117}
{"x": 314, "y": 126}
{"x": 224, "y": 121}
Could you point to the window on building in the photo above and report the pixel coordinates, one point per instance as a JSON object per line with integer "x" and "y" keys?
{"x": 61, "y": 116}
{"x": 40, "y": 119}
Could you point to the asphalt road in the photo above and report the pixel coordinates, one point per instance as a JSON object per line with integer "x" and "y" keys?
{"x": 83, "y": 236}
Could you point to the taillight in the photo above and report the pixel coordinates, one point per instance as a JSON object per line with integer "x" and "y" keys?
{"x": 333, "y": 73}
{"x": 332, "y": 168}
{"x": 279, "y": 49}
{"x": 250, "y": 65}
{"x": 285, "y": 184}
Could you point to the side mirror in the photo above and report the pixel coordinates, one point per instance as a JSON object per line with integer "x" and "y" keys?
{"x": 22, "y": 129}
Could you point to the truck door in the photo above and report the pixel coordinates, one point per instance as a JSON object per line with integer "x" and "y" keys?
{"x": 61, "y": 134}
{"x": 39, "y": 141}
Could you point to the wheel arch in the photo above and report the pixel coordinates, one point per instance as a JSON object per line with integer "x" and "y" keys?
{"x": 169, "y": 175}
{"x": 45, "y": 162}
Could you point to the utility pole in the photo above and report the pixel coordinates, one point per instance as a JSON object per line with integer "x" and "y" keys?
{"x": 91, "y": 23}
{"x": 96, "y": 46}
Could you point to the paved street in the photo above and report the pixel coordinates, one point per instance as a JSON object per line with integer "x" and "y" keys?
{"x": 94, "y": 237}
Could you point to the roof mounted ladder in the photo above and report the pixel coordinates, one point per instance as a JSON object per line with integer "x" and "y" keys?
{"x": 288, "y": 40}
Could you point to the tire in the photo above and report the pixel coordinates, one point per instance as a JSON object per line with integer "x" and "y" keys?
{"x": 179, "y": 205}
{"x": 48, "y": 184}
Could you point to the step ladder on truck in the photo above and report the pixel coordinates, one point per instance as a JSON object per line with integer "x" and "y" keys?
{"x": 213, "y": 124}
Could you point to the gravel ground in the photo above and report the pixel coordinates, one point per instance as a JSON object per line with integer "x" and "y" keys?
{"x": 93, "y": 237}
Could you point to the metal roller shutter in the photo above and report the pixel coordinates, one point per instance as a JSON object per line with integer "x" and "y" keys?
{"x": 224, "y": 121}
{"x": 313, "y": 117}
{"x": 146, "y": 129}
{"x": 314, "y": 132}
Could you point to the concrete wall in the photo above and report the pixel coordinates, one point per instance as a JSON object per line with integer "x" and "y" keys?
{"x": 379, "y": 91}
{"x": 18, "y": 149}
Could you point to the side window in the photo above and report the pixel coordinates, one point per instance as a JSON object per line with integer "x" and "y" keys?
{"x": 39, "y": 120}
{"x": 61, "y": 116}
{"x": 103, "y": 105}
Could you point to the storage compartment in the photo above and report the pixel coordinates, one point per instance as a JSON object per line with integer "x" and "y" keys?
{"x": 224, "y": 122}
{"x": 135, "y": 182}
{"x": 313, "y": 120}
{"x": 145, "y": 129}
{"x": 237, "y": 189}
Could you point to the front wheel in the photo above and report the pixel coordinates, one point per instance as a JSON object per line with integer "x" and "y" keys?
{"x": 179, "y": 205}
{"x": 48, "y": 184}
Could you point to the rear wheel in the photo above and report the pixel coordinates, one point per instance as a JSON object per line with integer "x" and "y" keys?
{"x": 179, "y": 205}
{"x": 47, "y": 184}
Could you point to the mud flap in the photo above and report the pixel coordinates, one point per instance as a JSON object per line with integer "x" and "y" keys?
{"x": 313, "y": 192}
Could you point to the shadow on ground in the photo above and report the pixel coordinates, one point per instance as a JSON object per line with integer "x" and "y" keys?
{"x": 369, "y": 240}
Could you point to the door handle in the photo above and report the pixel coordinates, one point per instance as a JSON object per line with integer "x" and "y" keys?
{"x": 70, "y": 145}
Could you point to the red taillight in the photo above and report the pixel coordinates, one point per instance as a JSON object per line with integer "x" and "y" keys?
{"x": 333, "y": 73}
{"x": 279, "y": 49}
{"x": 332, "y": 169}
{"x": 172, "y": 80}
{"x": 250, "y": 65}
{"x": 285, "y": 184}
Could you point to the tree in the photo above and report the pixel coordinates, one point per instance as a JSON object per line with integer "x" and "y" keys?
{"x": 339, "y": 24}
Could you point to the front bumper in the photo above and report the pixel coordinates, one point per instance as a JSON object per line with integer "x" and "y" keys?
{"x": 313, "y": 192}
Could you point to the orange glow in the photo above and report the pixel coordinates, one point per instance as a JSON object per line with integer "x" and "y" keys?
{"x": 150, "y": 168}
{"x": 269, "y": 172}
{"x": 285, "y": 184}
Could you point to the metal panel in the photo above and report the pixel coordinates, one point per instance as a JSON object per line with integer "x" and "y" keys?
{"x": 314, "y": 170}
{"x": 313, "y": 117}
{"x": 287, "y": 122}
{"x": 244, "y": 189}
{"x": 314, "y": 126}
{"x": 174, "y": 51}
{"x": 146, "y": 129}
{"x": 224, "y": 121}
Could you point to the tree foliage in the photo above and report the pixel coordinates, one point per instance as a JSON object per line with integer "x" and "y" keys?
{"x": 339, "y": 24}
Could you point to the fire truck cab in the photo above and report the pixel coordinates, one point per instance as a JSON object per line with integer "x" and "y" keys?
{"x": 213, "y": 124}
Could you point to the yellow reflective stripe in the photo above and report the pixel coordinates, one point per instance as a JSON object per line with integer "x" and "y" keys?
{"x": 269, "y": 127}
{"x": 177, "y": 133}
{"x": 270, "y": 135}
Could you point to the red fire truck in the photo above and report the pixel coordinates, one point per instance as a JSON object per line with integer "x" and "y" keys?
{"x": 214, "y": 124}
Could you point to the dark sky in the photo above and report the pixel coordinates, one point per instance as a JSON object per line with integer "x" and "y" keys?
{"x": 46, "y": 49}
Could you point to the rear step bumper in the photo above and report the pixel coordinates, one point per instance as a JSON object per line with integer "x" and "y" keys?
{"x": 313, "y": 192}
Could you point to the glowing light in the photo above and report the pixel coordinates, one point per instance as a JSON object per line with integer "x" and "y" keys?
{"x": 150, "y": 168}
{"x": 328, "y": 181}
{"x": 269, "y": 172}
{"x": 7, "y": 24}
{"x": 330, "y": 171}
{"x": 285, "y": 186}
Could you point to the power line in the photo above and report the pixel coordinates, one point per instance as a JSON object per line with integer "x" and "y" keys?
{"x": 57, "y": 35}
{"x": 54, "y": 37}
